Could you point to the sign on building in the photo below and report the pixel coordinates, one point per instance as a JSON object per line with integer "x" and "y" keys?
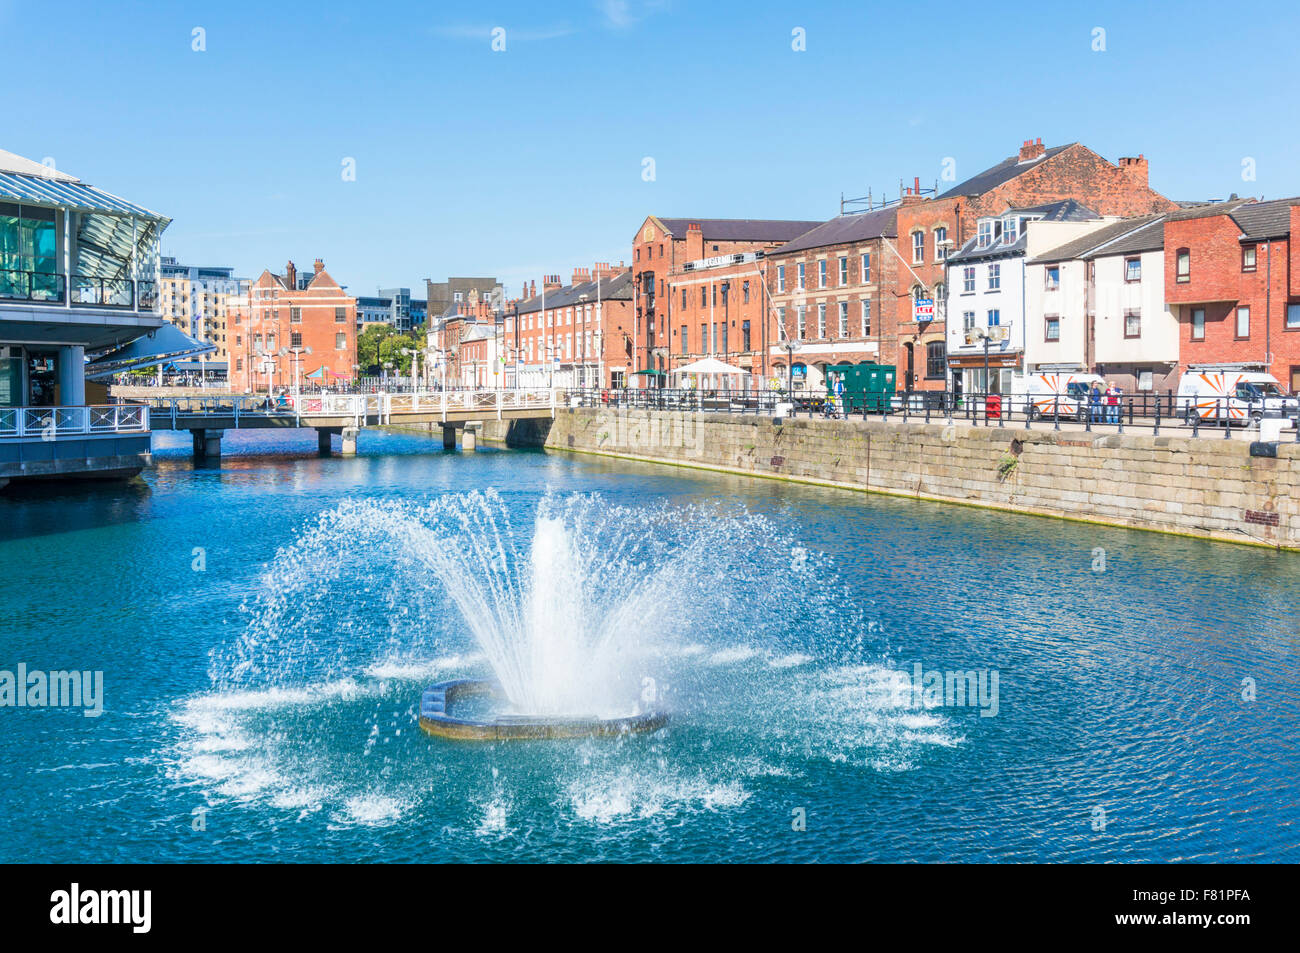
{"x": 923, "y": 309}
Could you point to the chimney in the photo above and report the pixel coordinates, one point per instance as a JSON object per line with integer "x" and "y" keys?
{"x": 551, "y": 282}
{"x": 694, "y": 242}
{"x": 532, "y": 289}
{"x": 1135, "y": 170}
{"x": 1031, "y": 149}
{"x": 911, "y": 196}
{"x": 318, "y": 265}
{"x": 291, "y": 276}
{"x": 581, "y": 276}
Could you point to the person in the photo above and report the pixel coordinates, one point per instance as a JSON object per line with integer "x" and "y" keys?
{"x": 1094, "y": 403}
{"x": 1112, "y": 403}
{"x": 839, "y": 396}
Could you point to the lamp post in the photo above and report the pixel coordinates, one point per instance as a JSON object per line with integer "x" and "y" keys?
{"x": 388, "y": 365}
{"x": 791, "y": 346}
{"x": 298, "y": 351}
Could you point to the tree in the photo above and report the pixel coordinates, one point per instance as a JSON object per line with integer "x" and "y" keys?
{"x": 380, "y": 344}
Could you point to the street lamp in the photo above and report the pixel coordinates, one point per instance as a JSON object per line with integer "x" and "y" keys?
{"x": 298, "y": 351}
{"x": 388, "y": 365}
{"x": 791, "y": 346}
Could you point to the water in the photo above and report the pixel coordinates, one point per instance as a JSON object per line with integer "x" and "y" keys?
{"x": 270, "y": 698}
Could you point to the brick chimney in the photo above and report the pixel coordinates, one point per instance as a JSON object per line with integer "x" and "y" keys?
{"x": 532, "y": 289}
{"x": 581, "y": 276}
{"x": 318, "y": 265}
{"x": 694, "y": 242}
{"x": 1135, "y": 170}
{"x": 551, "y": 282}
{"x": 291, "y": 276}
{"x": 912, "y": 196}
{"x": 1032, "y": 149}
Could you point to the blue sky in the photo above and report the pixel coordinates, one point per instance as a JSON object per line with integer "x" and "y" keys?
{"x": 528, "y": 161}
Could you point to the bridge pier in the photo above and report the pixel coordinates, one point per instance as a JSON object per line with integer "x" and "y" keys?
{"x": 207, "y": 444}
{"x": 469, "y": 439}
{"x": 323, "y": 435}
{"x": 349, "y": 435}
{"x": 448, "y": 437}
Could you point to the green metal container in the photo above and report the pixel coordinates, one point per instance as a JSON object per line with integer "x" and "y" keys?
{"x": 869, "y": 386}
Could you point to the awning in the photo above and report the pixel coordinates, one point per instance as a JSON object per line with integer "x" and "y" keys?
{"x": 649, "y": 372}
{"x": 162, "y": 346}
{"x": 709, "y": 365}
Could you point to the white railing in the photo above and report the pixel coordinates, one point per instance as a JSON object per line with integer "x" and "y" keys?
{"x": 50, "y": 423}
{"x": 383, "y": 407}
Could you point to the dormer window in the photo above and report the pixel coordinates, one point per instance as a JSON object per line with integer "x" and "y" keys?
{"x": 1009, "y": 230}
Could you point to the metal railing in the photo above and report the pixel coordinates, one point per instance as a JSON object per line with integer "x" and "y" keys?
{"x": 50, "y": 423}
{"x": 39, "y": 287}
{"x": 1148, "y": 411}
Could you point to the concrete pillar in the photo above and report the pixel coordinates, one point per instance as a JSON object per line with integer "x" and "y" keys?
{"x": 349, "y": 436}
{"x": 468, "y": 439}
{"x": 323, "y": 436}
{"x": 207, "y": 444}
{"x": 72, "y": 375}
{"x": 448, "y": 437}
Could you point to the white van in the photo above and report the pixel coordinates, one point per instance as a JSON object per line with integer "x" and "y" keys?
{"x": 1241, "y": 396}
{"x": 1052, "y": 393}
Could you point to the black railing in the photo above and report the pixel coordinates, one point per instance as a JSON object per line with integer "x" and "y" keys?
{"x": 1143, "y": 412}
{"x": 41, "y": 287}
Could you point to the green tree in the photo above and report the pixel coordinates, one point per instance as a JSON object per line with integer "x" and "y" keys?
{"x": 381, "y": 344}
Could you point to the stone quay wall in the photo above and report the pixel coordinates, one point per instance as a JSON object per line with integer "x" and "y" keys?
{"x": 1204, "y": 487}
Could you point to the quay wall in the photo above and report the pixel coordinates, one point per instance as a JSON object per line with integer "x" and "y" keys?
{"x": 1203, "y": 487}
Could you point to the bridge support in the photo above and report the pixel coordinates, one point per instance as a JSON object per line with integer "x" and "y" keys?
{"x": 207, "y": 444}
{"x": 448, "y": 437}
{"x": 323, "y": 444}
{"x": 469, "y": 439}
{"x": 349, "y": 435}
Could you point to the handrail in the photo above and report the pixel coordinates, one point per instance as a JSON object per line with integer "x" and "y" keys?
{"x": 51, "y": 423}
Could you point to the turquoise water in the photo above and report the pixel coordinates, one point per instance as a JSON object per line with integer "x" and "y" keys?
{"x": 1121, "y": 732}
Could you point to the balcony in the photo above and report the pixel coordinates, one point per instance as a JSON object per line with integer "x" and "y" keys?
{"x": 44, "y": 288}
{"x": 53, "y": 423}
{"x": 86, "y": 441}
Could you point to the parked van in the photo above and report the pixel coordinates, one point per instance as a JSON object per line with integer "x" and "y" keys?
{"x": 1053, "y": 393}
{"x": 1240, "y": 396}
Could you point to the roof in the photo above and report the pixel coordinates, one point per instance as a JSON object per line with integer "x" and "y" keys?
{"x": 843, "y": 229}
{"x": 1143, "y": 233}
{"x": 618, "y": 288}
{"x": 22, "y": 180}
{"x": 1004, "y": 171}
{"x": 738, "y": 229}
{"x": 1261, "y": 220}
{"x": 1066, "y": 211}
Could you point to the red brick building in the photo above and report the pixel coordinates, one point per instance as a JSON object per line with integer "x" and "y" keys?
{"x": 1232, "y": 277}
{"x": 287, "y": 314}
{"x": 661, "y": 251}
{"x": 574, "y": 335}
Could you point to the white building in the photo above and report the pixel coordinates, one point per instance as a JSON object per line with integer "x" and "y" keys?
{"x": 1099, "y": 302}
{"x": 986, "y": 290}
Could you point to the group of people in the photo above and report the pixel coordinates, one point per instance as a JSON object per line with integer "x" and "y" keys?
{"x": 1105, "y": 406}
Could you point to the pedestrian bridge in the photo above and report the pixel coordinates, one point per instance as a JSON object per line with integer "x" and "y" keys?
{"x": 458, "y": 411}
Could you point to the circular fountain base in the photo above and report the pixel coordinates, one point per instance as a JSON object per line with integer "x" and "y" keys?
{"x": 437, "y": 719}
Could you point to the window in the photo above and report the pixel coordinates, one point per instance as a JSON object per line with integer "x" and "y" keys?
{"x": 1293, "y": 317}
{"x": 1183, "y": 265}
{"x": 801, "y": 326}
{"x": 995, "y": 317}
{"x": 683, "y": 297}
{"x": 936, "y": 360}
{"x": 780, "y": 320}
{"x": 1248, "y": 258}
{"x": 821, "y": 320}
{"x": 1132, "y": 324}
{"x": 295, "y": 339}
{"x": 968, "y": 320}
{"x": 1053, "y": 277}
{"x": 985, "y": 233}
{"x": 941, "y": 244}
{"x": 704, "y": 337}
{"x": 340, "y": 315}
{"x": 744, "y": 293}
{"x": 995, "y": 277}
{"x": 1051, "y": 327}
{"x": 341, "y": 341}
{"x": 844, "y": 272}
{"x": 295, "y": 315}
{"x": 866, "y": 318}
{"x": 1009, "y": 230}
{"x": 239, "y": 364}
{"x": 1132, "y": 269}
{"x": 780, "y": 277}
{"x": 744, "y": 336}
{"x": 800, "y": 284}
{"x": 866, "y": 269}
{"x": 821, "y": 273}
{"x": 968, "y": 280}
{"x": 1198, "y": 324}
{"x": 704, "y": 297}
{"x": 1146, "y": 380}
{"x": 918, "y": 248}
{"x": 1243, "y": 322}
{"x": 844, "y": 319}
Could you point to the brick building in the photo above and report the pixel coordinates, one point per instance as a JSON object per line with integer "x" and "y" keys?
{"x": 661, "y": 251}
{"x": 285, "y": 316}
{"x": 829, "y": 287}
{"x": 574, "y": 335}
{"x": 721, "y": 307}
{"x": 1232, "y": 276}
{"x": 930, "y": 228}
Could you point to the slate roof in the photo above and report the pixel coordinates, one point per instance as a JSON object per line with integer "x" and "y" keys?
{"x": 1262, "y": 220}
{"x": 1066, "y": 211}
{"x": 738, "y": 229}
{"x": 842, "y": 229}
{"x": 1004, "y": 171}
{"x": 618, "y": 288}
{"x": 1142, "y": 233}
